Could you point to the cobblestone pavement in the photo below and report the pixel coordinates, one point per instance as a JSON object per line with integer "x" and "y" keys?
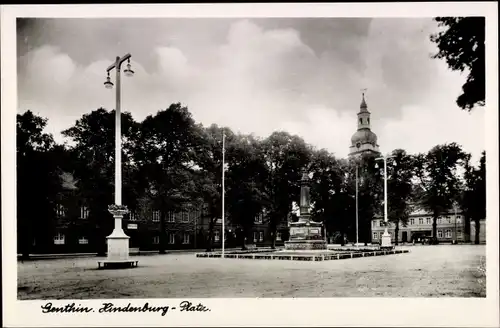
{"x": 427, "y": 271}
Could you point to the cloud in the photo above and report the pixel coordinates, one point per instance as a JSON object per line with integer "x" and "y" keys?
{"x": 256, "y": 76}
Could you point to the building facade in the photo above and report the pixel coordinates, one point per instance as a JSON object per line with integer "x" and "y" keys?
{"x": 450, "y": 227}
{"x": 75, "y": 228}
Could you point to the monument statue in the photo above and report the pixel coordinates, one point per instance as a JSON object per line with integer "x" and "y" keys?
{"x": 305, "y": 234}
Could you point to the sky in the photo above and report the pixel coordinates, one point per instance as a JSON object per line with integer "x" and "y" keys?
{"x": 258, "y": 75}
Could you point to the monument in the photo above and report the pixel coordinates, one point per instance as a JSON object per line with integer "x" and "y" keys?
{"x": 305, "y": 234}
{"x": 306, "y": 242}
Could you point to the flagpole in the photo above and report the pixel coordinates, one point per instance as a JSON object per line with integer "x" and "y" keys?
{"x": 223, "y": 193}
{"x": 357, "y": 210}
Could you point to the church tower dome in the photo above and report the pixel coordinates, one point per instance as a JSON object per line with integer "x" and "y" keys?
{"x": 363, "y": 140}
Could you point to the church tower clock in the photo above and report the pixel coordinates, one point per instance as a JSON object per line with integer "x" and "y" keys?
{"x": 363, "y": 141}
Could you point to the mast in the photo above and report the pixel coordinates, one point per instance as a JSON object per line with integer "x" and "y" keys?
{"x": 223, "y": 193}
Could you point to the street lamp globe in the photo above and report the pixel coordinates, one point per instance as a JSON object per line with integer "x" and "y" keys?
{"x": 128, "y": 71}
{"x": 108, "y": 84}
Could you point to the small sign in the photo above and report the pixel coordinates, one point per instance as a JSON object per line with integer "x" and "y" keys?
{"x": 132, "y": 226}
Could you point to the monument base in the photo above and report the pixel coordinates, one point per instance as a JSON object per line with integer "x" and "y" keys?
{"x": 118, "y": 253}
{"x": 118, "y": 242}
{"x": 306, "y": 235}
{"x": 306, "y": 245}
{"x": 386, "y": 242}
{"x": 118, "y": 249}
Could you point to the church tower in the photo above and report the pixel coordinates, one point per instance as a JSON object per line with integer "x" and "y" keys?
{"x": 363, "y": 141}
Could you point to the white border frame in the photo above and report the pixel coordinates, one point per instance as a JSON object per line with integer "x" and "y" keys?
{"x": 282, "y": 312}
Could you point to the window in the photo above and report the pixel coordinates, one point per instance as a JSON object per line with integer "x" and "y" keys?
{"x": 186, "y": 238}
{"x": 447, "y": 233}
{"x": 84, "y": 212}
{"x": 420, "y": 220}
{"x": 171, "y": 238}
{"x": 380, "y": 223}
{"x": 156, "y": 240}
{"x": 360, "y": 120}
{"x": 278, "y": 236}
{"x": 429, "y": 221}
{"x": 156, "y": 216}
{"x": 178, "y": 216}
{"x": 185, "y": 216}
{"x": 216, "y": 235}
{"x": 375, "y": 236}
{"x": 459, "y": 219}
{"x": 255, "y": 236}
{"x": 412, "y": 221}
{"x": 261, "y": 236}
{"x": 60, "y": 210}
{"x": 440, "y": 233}
{"x": 448, "y": 219}
{"x": 439, "y": 220}
{"x": 258, "y": 219}
{"x": 459, "y": 233}
{"x": 59, "y": 239}
{"x": 83, "y": 241}
{"x": 170, "y": 217}
{"x": 368, "y": 120}
{"x": 132, "y": 216}
{"x": 374, "y": 224}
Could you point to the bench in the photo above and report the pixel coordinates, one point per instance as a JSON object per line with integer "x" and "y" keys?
{"x": 117, "y": 264}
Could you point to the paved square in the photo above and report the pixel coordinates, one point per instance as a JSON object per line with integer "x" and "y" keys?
{"x": 427, "y": 271}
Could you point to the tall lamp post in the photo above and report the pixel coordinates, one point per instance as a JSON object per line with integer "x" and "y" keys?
{"x": 223, "y": 193}
{"x": 386, "y": 237}
{"x": 118, "y": 241}
{"x": 357, "y": 206}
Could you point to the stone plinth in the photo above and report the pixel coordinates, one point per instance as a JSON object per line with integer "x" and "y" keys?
{"x": 118, "y": 242}
{"x": 386, "y": 240}
{"x": 118, "y": 247}
{"x": 305, "y": 235}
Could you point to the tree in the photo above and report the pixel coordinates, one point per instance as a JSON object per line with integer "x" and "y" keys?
{"x": 38, "y": 180}
{"x": 461, "y": 44}
{"x": 327, "y": 191}
{"x": 210, "y": 177}
{"x": 168, "y": 143}
{"x": 437, "y": 176}
{"x": 93, "y": 156}
{"x": 480, "y": 188}
{"x": 473, "y": 200}
{"x": 246, "y": 176}
{"x": 284, "y": 156}
{"x": 370, "y": 195}
{"x": 400, "y": 189}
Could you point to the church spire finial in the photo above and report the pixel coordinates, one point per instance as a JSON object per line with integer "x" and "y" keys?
{"x": 363, "y": 102}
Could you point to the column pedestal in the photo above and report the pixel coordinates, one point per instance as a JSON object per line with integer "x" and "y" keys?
{"x": 386, "y": 240}
{"x": 118, "y": 242}
{"x": 306, "y": 236}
